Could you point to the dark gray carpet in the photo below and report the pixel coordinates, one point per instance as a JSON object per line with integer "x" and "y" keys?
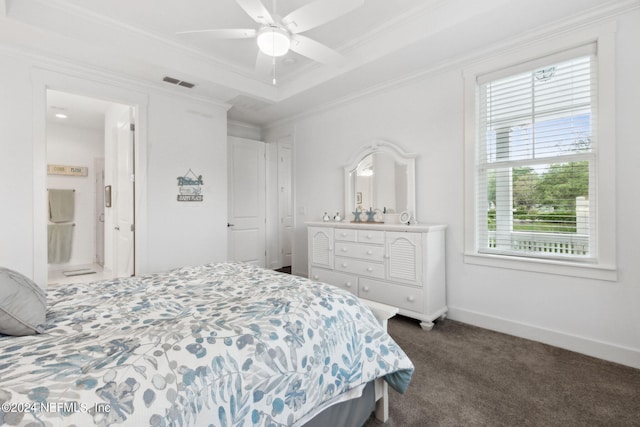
{"x": 469, "y": 376}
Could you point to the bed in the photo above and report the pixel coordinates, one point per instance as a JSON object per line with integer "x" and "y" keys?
{"x": 225, "y": 344}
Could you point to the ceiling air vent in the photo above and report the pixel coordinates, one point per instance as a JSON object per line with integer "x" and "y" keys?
{"x": 175, "y": 81}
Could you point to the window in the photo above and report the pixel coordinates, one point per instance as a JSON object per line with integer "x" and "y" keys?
{"x": 535, "y": 161}
{"x": 540, "y": 157}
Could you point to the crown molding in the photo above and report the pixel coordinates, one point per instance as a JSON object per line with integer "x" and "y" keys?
{"x": 87, "y": 72}
{"x": 582, "y": 21}
{"x": 228, "y": 74}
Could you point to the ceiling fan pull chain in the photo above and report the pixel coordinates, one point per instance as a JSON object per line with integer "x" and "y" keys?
{"x": 273, "y": 58}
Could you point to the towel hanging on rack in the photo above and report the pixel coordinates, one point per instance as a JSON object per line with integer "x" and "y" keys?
{"x": 60, "y": 238}
{"x": 61, "y": 205}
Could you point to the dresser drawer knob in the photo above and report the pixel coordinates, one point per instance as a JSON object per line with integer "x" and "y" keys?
{"x": 348, "y": 284}
{"x": 344, "y": 265}
{"x": 343, "y": 234}
{"x": 344, "y": 249}
{"x": 411, "y": 298}
{"x": 316, "y": 277}
{"x": 369, "y": 252}
{"x": 369, "y": 269}
{"x": 369, "y": 236}
{"x": 366, "y": 289}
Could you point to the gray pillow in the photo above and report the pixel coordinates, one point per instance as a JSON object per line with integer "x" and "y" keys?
{"x": 23, "y": 304}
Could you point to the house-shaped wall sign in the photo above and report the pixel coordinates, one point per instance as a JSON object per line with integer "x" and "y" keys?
{"x": 190, "y": 187}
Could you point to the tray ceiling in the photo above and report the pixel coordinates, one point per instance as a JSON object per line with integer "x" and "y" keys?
{"x": 382, "y": 40}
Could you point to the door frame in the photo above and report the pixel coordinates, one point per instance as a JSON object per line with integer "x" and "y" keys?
{"x": 85, "y": 84}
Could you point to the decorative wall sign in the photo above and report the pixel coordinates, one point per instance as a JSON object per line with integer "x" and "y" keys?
{"x": 67, "y": 170}
{"x": 190, "y": 187}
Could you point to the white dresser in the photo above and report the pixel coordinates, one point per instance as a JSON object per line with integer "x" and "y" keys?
{"x": 399, "y": 265}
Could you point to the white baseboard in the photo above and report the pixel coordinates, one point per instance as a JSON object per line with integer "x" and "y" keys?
{"x": 602, "y": 350}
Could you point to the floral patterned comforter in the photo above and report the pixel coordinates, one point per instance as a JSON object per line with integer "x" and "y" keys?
{"x": 220, "y": 344}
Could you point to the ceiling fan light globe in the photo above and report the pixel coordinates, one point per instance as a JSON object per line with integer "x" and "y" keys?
{"x": 274, "y": 41}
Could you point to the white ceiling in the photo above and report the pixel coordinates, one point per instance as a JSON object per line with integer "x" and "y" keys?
{"x": 80, "y": 111}
{"x": 381, "y": 41}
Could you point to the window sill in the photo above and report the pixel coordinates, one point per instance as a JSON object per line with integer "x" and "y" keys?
{"x": 562, "y": 268}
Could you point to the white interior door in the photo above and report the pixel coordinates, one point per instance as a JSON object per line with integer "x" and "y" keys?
{"x": 100, "y": 217}
{"x": 285, "y": 200}
{"x": 124, "y": 196}
{"x": 247, "y": 204}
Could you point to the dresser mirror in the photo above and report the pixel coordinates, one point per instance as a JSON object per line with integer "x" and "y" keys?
{"x": 381, "y": 177}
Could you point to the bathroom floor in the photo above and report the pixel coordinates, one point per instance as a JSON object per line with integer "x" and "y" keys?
{"x": 78, "y": 274}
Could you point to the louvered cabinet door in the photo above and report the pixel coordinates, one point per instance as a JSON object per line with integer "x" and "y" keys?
{"x": 404, "y": 257}
{"x": 321, "y": 246}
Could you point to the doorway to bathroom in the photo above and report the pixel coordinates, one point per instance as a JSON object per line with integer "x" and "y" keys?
{"x": 90, "y": 146}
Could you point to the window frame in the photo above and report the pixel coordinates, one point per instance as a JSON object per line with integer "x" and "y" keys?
{"x": 603, "y": 265}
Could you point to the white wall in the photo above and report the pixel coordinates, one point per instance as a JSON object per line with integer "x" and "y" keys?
{"x": 425, "y": 116}
{"x": 16, "y": 166}
{"x": 186, "y": 135}
{"x": 74, "y": 146}
{"x": 177, "y": 133}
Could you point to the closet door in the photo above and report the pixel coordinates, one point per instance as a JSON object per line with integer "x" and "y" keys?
{"x": 247, "y": 208}
{"x": 285, "y": 200}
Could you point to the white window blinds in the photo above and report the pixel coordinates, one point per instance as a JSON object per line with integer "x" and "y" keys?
{"x": 535, "y": 165}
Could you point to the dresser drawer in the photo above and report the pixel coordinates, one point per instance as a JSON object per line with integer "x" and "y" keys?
{"x": 345, "y": 234}
{"x": 358, "y": 250}
{"x": 341, "y": 280}
{"x": 403, "y": 297}
{"x": 371, "y": 236}
{"x": 359, "y": 267}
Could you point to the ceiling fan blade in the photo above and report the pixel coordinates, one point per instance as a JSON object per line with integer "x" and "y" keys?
{"x": 314, "y": 50}
{"x": 231, "y": 33}
{"x": 256, "y": 10}
{"x": 264, "y": 64}
{"x": 317, "y": 13}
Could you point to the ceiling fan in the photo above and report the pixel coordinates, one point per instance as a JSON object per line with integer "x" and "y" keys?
{"x": 276, "y": 36}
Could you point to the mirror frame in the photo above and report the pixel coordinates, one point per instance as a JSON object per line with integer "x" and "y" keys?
{"x": 399, "y": 155}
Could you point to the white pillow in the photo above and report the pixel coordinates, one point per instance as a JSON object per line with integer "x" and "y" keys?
{"x": 23, "y": 304}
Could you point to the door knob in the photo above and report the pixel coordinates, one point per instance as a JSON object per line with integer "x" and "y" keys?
{"x": 116, "y": 228}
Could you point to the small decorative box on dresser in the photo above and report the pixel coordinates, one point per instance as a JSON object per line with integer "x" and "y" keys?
{"x": 400, "y": 265}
